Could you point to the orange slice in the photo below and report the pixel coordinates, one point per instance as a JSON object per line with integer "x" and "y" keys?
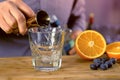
{"x": 90, "y": 44}
{"x": 113, "y": 50}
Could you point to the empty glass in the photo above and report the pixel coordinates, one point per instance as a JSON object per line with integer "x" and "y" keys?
{"x": 46, "y": 46}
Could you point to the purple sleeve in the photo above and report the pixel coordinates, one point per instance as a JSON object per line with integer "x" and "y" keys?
{"x": 77, "y": 18}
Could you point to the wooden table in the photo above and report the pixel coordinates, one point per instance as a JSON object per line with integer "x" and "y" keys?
{"x": 73, "y": 68}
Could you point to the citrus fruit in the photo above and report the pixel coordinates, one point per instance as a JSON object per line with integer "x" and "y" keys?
{"x": 113, "y": 50}
{"x": 90, "y": 44}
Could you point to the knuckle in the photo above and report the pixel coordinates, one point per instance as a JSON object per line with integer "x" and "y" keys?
{"x": 21, "y": 18}
{"x": 12, "y": 23}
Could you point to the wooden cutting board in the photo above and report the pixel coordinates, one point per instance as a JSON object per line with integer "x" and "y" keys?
{"x": 73, "y": 68}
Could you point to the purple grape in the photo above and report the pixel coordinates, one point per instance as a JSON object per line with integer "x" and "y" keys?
{"x": 93, "y": 66}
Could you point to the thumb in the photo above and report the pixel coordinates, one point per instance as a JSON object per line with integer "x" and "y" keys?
{"x": 72, "y": 51}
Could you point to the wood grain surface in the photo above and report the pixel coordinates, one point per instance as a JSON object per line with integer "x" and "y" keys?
{"x": 73, "y": 68}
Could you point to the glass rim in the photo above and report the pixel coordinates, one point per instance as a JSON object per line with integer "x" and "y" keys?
{"x": 58, "y": 30}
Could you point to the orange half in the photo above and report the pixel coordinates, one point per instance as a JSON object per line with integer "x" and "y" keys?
{"x": 90, "y": 44}
{"x": 113, "y": 50}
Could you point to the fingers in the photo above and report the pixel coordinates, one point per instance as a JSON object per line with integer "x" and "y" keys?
{"x": 4, "y": 26}
{"x": 24, "y": 8}
{"x": 10, "y": 20}
{"x": 75, "y": 34}
{"x": 20, "y": 18}
{"x": 72, "y": 51}
{"x": 13, "y": 16}
{"x": 27, "y": 10}
{"x": 24, "y": 11}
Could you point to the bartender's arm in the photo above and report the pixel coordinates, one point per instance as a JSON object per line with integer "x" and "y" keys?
{"x": 77, "y": 21}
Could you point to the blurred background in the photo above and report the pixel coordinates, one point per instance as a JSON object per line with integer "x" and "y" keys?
{"x": 106, "y": 18}
{"x": 105, "y": 11}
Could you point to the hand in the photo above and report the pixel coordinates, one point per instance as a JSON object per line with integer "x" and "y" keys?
{"x": 74, "y": 36}
{"x": 13, "y": 15}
